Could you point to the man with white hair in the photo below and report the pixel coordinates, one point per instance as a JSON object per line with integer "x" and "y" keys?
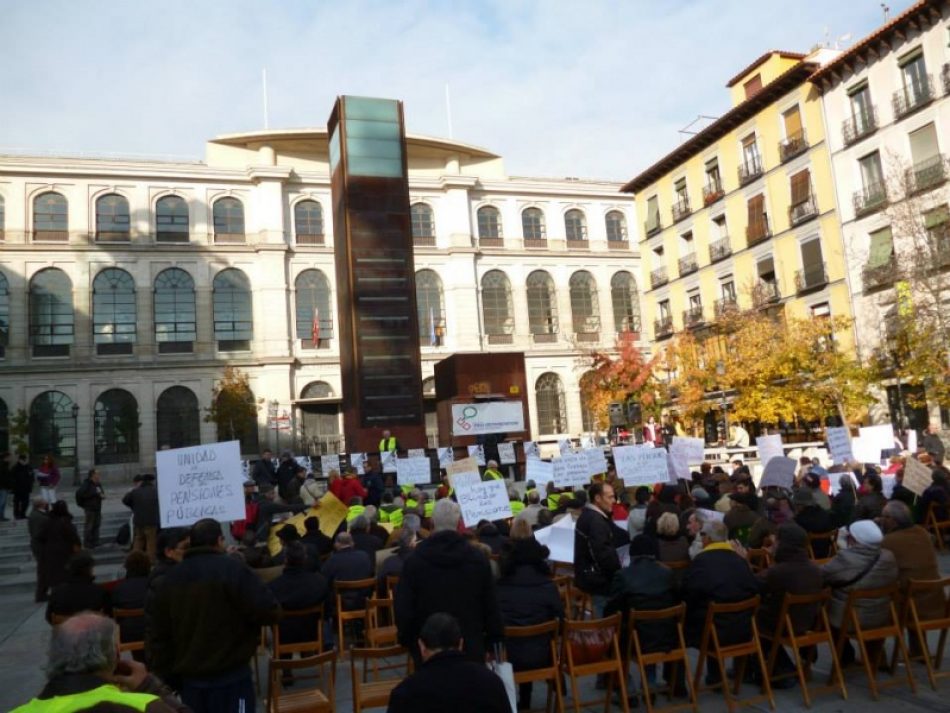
{"x": 84, "y": 672}
{"x": 446, "y": 573}
{"x": 492, "y": 472}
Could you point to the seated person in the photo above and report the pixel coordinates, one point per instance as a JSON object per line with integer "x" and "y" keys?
{"x": 79, "y": 592}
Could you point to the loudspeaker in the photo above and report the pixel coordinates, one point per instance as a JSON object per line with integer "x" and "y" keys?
{"x": 617, "y": 416}
{"x": 634, "y": 412}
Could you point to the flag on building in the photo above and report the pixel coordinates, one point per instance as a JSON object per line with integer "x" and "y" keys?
{"x": 315, "y": 328}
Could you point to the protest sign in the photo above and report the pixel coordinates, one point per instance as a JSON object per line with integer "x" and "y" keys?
{"x": 917, "y": 476}
{"x": 769, "y": 447}
{"x": 463, "y": 471}
{"x": 710, "y": 515}
{"x": 413, "y": 471}
{"x": 357, "y": 461}
{"x": 506, "y": 452}
{"x": 912, "y": 441}
{"x": 304, "y": 462}
{"x": 564, "y": 446}
{"x": 559, "y": 539}
{"x": 571, "y": 471}
{"x": 199, "y": 482}
{"x": 683, "y": 452}
{"x": 330, "y": 510}
{"x": 540, "y": 471}
{"x": 388, "y": 461}
{"x": 531, "y": 449}
{"x": 446, "y": 456}
{"x": 779, "y": 472}
{"x": 479, "y": 419}
{"x": 834, "y": 481}
{"x": 328, "y": 462}
{"x": 839, "y": 443}
{"x": 877, "y": 439}
{"x": 638, "y": 465}
{"x": 478, "y": 453}
{"x": 596, "y": 461}
{"x": 887, "y": 485}
{"x": 864, "y": 451}
{"x": 416, "y": 453}
{"x": 483, "y": 501}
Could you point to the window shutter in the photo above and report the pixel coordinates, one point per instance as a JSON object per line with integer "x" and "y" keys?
{"x": 756, "y": 209}
{"x": 936, "y": 217}
{"x": 800, "y": 187}
{"x": 653, "y": 213}
{"x": 793, "y": 122}
{"x": 882, "y": 247}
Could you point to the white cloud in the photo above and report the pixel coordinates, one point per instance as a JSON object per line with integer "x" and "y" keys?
{"x": 593, "y": 89}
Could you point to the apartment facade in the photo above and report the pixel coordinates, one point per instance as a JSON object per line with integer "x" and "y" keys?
{"x": 127, "y": 286}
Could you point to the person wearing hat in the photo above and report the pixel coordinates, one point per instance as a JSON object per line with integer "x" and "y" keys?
{"x": 142, "y": 500}
{"x": 812, "y": 518}
{"x": 863, "y": 565}
{"x": 492, "y": 472}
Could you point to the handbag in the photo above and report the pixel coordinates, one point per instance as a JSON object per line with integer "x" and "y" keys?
{"x": 506, "y": 672}
{"x": 590, "y": 645}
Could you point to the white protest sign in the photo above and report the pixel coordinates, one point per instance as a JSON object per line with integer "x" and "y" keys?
{"x": 199, "y": 482}
{"x": 506, "y": 452}
{"x": 779, "y": 472}
{"x": 912, "y": 440}
{"x": 769, "y": 447}
{"x": 540, "y": 471}
{"x": 564, "y": 446}
{"x": 446, "y": 456}
{"x": 559, "y": 538}
{"x": 413, "y": 471}
{"x": 683, "y": 452}
{"x": 478, "y": 453}
{"x": 839, "y": 443}
{"x": 463, "y": 471}
{"x": 865, "y": 451}
{"x": 358, "y": 461}
{"x": 479, "y": 419}
{"x": 328, "y": 462}
{"x": 917, "y": 476}
{"x": 531, "y": 449}
{"x": 596, "y": 461}
{"x": 571, "y": 471}
{"x": 879, "y": 438}
{"x": 834, "y": 481}
{"x": 388, "y": 460}
{"x": 483, "y": 501}
{"x": 887, "y": 485}
{"x": 416, "y": 453}
{"x": 637, "y": 465}
{"x": 304, "y": 462}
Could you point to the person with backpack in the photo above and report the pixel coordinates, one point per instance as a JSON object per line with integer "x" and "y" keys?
{"x": 89, "y": 497}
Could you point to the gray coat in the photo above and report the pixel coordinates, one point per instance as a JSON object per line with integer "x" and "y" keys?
{"x": 848, "y": 564}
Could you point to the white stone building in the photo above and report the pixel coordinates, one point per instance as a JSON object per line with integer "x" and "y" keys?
{"x": 126, "y": 287}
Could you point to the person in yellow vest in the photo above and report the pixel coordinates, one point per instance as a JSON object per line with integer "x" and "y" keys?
{"x": 388, "y": 442}
{"x": 428, "y": 505}
{"x": 84, "y": 673}
{"x": 412, "y": 500}
{"x": 553, "y": 496}
{"x": 529, "y": 488}
{"x": 389, "y": 511}
{"x": 355, "y": 509}
{"x": 492, "y": 472}
{"x": 516, "y": 505}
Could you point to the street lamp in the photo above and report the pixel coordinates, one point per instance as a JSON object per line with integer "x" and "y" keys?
{"x": 75, "y": 411}
{"x": 721, "y": 372}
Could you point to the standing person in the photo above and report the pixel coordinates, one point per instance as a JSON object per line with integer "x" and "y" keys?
{"x": 206, "y": 624}
{"x": 388, "y": 442}
{"x": 373, "y": 482}
{"x": 22, "y": 485}
{"x": 6, "y": 483}
{"x": 89, "y": 497}
{"x": 264, "y": 471}
{"x": 143, "y": 501}
{"x": 37, "y": 523}
{"x": 268, "y": 508}
{"x": 285, "y": 475}
{"x": 932, "y": 443}
{"x": 60, "y": 542}
{"x": 48, "y": 476}
{"x": 595, "y": 546}
{"x": 652, "y": 433}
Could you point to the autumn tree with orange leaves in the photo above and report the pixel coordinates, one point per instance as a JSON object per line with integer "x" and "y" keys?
{"x": 619, "y": 376}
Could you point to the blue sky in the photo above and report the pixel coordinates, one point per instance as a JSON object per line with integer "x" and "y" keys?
{"x": 590, "y": 89}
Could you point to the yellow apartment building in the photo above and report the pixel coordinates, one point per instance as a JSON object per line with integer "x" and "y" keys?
{"x": 743, "y": 214}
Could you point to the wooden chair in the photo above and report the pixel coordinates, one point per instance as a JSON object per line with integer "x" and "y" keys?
{"x": 344, "y": 615}
{"x": 563, "y": 568}
{"x": 310, "y": 700}
{"x": 711, "y": 648}
{"x": 374, "y": 693}
{"x": 850, "y": 623}
{"x": 309, "y": 647}
{"x": 831, "y": 537}
{"x": 676, "y": 657}
{"x": 550, "y": 674}
{"x": 910, "y": 618}
{"x": 580, "y": 604}
{"x": 564, "y": 583}
{"x": 818, "y": 633}
{"x": 378, "y": 633}
{"x": 937, "y": 527}
{"x": 759, "y": 558}
{"x": 391, "y": 581}
{"x": 578, "y": 661}
{"x": 119, "y": 615}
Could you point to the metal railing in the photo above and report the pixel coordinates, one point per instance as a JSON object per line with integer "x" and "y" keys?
{"x": 811, "y": 277}
{"x": 912, "y": 97}
{"x": 878, "y": 277}
{"x": 869, "y": 199}
{"x": 720, "y": 249}
{"x": 712, "y": 192}
{"x": 662, "y": 327}
{"x": 946, "y": 78}
{"x": 750, "y": 170}
{"x": 765, "y": 292}
{"x": 688, "y": 264}
{"x": 658, "y": 277}
{"x": 860, "y": 125}
{"x": 310, "y": 239}
{"x": 680, "y": 208}
{"x": 926, "y": 175}
{"x": 693, "y": 317}
{"x": 725, "y": 305}
{"x": 793, "y": 145}
{"x": 800, "y": 212}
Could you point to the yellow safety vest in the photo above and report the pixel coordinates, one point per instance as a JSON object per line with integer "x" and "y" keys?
{"x": 354, "y": 511}
{"x": 396, "y": 517}
{"x": 493, "y": 474}
{"x": 87, "y": 699}
{"x": 384, "y": 442}
{"x": 553, "y": 500}
{"x": 428, "y": 508}
{"x": 516, "y": 507}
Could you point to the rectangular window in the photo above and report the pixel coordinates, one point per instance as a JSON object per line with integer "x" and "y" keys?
{"x": 753, "y": 86}
{"x": 914, "y": 73}
{"x": 712, "y": 173}
{"x": 881, "y": 249}
{"x": 821, "y": 310}
{"x": 801, "y": 187}
{"x": 872, "y": 175}
{"x": 757, "y": 228}
{"x": 680, "y": 189}
{"x": 750, "y": 152}
{"x": 792, "y": 120}
{"x": 728, "y": 288}
{"x": 719, "y": 230}
{"x": 923, "y": 144}
{"x": 811, "y": 253}
{"x": 664, "y": 308}
{"x": 862, "y": 111}
{"x": 653, "y": 214}
{"x": 695, "y": 301}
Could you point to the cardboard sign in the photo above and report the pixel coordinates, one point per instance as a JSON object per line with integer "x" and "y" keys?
{"x": 506, "y": 453}
{"x": 683, "y": 453}
{"x": 769, "y": 447}
{"x": 839, "y": 443}
{"x": 479, "y": 419}
{"x": 478, "y": 453}
{"x": 540, "y": 471}
{"x": 328, "y": 462}
{"x": 463, "y": 471}
{"x": 779, "y": 472}
{"x": 638, "y": 465}
{"x": 571, "y": 471}
{"x": 917, "y": 476}
{"x": 413, "y": 471}
{"x": 483, "y": 501}
{"x": 531, "y": 449}
{"x": 596, "y": 461}
{"x": 446, "y": 457}
{"x": 358, "y": 461}
{"x": 388, "y": 461}
{"x": 328, "y": 508}
{"x": 199, "y": 482}
{"x": 416, "y": 453}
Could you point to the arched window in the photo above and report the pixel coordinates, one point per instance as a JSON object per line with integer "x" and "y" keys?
{"x": 112, "y": 219}
{"x": 175, "y": 314}
{"x": 423, "y": 224}
{"x": 313, "y": 311}
{"x": 585, "y": 309}
{"x": 308, "y": 223}
{"x": 532, "y": 224}
{"x": 4, "y": 427}
{"x": 616, "y": 227}
{"x": 233, "y": 321}
{"x": 228, "y": 215}
{"x": 430, "y": 307}
{"x": 116, "y": 427}
{"x": 497, "y": 308}
{"x": 171, "y": 220}
{"x": 549, "y": 397}
{"x": 317, "y": 390}
{"x": 489, "y": 223}
{"x": 4, "y": 314}
{"x": 113, "y": 311}
{"x": 320, "y": 418}
{"x": 51, "y": 218}
{"x": 626, "y": 303}
{"x": 53, "y": 428}
{"x": 542, "y": 306}
{"x": 239, "y": 429}
{"x": 575, "y": 225}
{"x": 178, "y": 418}
{"x": 51, "y": 313}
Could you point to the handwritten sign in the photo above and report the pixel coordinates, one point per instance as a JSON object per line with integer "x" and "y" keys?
{"x": 540, "y": 471}
{"x": 638, "y": 465}
{"x": 446, "y": 456}
{"x": 358, "y": 461}
{"x": 839, "y": 443}
{"x": 413, "y": 471}
{"x": 199, "y": 482}
{"x": 388, "y": 460}
{"x": 769, "y": 447}
{"x": 463, "y": 471}
{"x": 328, "y": 462}
{"x": 571, "y": 471}
{"x": 683, "y": 452}
{"x": 531, "y": 449}
{"x": 506, "y": 452}
{"x": 416, "y": 453}
{"x": 779, "y": 472}
{"x": 478, "y": 453}
{"x": 917, "y": 476}
{"x": 596, "y": 461}
{"x": 483, "y": 501}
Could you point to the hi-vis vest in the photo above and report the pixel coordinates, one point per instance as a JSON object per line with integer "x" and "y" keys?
{"x": 516, "y": 507}
{"x": 87, "y": 699}
{"x": 553, "y": 500}
{"x": 354, "y": 511}
{"x": 391, "y": 513}
{"x": 384, "y": 442}
{"x": 493, "y": 474}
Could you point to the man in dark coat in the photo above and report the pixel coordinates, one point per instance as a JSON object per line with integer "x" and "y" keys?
{"x": 313, "y": 537}
{"x": 447, "y": 680}
{"x": 23, "y": 480}
{"x": 264, "y": 472}
{"x": 447, "y": 574}
{"x": 285, "y": 475}
{"x": 297, "y": 589}
{"x": 37, "y": 523}
{"x": 267, "y": 507}
{"x": 373, "y": 482}
{"x": 89, "y": 497}
{"x": 206, "y": 624}
{"x": 595, "y": 545}
{"x": 143, "y": 501}
{"x": 348, "y": 564}
{"x": 6, "y": 483}
{"x": 932, "y": 443}
{"x": 813, "y": 518}
{"x": 78, "y": 592}
{"x": 363, "y": 540}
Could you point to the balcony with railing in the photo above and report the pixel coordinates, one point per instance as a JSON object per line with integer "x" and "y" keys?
{"x": 800, "y": 212}
{"x": 309, "y": 239}
{"x": 658, "y": 277}
{"x": 869, "y": 199}
{"x": 725, "y": 306}
{"x": 51, "y": 236}
{"x": 912, "y": 97}
{"x": 720, "y": 249}
{"x": 712, "y": 192}
{"x": 926, "y": 175}
{"x": 793, "y": 145}
{"x": 880, "y": 276}
{"x": 680, "y": 208}
{"x": 858, "y": 126}
{"x": 662, "y": 327}
{"x": 688, "y": 264}
{"x": 750, "y": 170}
{"x": 757, "y": 231}
{"x": 810, "y": 278}
{"x": 693, "y": 317}
{"x": 426, "y": 241}
{"x": 765, "y": 292}
{"x": 654, "y": 226}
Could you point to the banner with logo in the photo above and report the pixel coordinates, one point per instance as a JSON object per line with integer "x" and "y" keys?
{"x": 480, "y": 419}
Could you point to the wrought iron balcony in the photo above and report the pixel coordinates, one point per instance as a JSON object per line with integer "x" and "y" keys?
{"x": 800, "y": 212}
{"x": 869, "y": 199}
{"x": 750, "y": 170}
{"x": 425, "y": 241}
{"x": 712, "y": 192}
{"x": 662, "y": 327}
{"x": 725, "y": 306}
{"x": 910, "y": 98}
{"x": 757, "y": 231}
{"x": 307, "y": 239}
{"x": 764, "y": 293}
{"x": 858, "y": 126}
{"x": 658, "y": 277}
{"x": 720, "y": 249}
{"x": 793, "y": 146}
{"x": 926, "y": 175}
{"x": 688, "y": 264}
{"x": 652, "y": 227}
{"x": 680, "y": 208}
{"x": 877, "y": 278}
{"x": 693, "y": 317}
{"x": 811, "y": 277}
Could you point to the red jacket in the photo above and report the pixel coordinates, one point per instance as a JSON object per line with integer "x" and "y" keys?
{"x": 348, "y": 488}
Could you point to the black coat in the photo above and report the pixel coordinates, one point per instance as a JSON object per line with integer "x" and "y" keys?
{"x": 131, "y": 594}
{"x": 89, "y": 496}
{"x": 143, "y": 501}
{"x": 6, "y": 476}
{"x": 370, "y": 544}
{"x": 346, "y": 566}
{"x": 595, "y": 551}
{"x": 77, "y": 594}
{"x": 449, "y": 682}
{"x": 59, "y": 542}
{"x": 447, "y": 574}
{"x": 792, "y": 573}
{"x": 718, "y": 574}
{"x": 322, "y": 543}
{"x": 264, "y": 473}
{"x": 645, "y": 584}
{"x": 298, "y": 589}
{"x": 814, "y": 518}
{"x": 869, "y": 506}
{"x": 528, "y": 596}
{"x": 23, "y": 478}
